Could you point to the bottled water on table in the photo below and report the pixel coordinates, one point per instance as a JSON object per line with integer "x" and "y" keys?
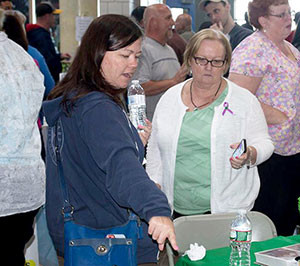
{"x": 136, "y": 104}
{"x": 240, "y": 240}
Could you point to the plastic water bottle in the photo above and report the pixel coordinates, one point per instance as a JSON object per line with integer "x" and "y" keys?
{"x": 240, "y": 240}
{"x": 136, "y": 104}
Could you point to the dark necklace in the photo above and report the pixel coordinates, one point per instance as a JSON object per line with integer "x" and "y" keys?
{"x": 199, "y": 106}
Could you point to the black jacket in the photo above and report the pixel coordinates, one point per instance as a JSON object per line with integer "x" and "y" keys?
{"x": 40, "y": 38}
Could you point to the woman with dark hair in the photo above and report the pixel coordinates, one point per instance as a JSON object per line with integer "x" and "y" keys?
{"x": 14, "y": 30}
{"x": 269, "y": 67}
{"x": 102, "y": 152}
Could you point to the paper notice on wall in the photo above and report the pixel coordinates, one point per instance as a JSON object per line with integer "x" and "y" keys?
{"x": 81, "y": 26}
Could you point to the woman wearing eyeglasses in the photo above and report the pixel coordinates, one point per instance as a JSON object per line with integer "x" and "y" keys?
{"x": 269, "y": 67}
{"x": 197, "y": 125}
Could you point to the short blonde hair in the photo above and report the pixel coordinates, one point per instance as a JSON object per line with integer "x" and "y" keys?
{"x": 207, "y": 34}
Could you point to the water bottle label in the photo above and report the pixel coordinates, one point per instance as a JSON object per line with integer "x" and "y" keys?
{"x": 136, "y": 99}
{"x": 240, "y": 236}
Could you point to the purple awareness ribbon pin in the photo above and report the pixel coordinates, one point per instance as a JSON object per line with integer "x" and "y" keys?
{"x": 226, "y": 108}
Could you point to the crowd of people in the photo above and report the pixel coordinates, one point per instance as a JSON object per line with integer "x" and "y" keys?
{"x": 205, "y": 91}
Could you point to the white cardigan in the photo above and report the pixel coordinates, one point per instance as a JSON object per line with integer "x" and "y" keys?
{"x": 231, "y": 189}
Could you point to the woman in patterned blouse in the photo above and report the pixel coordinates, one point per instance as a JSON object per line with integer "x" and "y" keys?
{"x": 269, "y": 67}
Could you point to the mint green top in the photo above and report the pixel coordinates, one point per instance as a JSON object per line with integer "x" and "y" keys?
{"x": 192, "y": 167}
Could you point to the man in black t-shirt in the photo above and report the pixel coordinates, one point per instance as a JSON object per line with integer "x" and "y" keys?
{"x": 219, "y": 13}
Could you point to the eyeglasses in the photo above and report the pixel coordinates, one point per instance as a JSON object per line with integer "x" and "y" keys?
{"x": 203, "y": 62}
{"x": 283, "y": 15}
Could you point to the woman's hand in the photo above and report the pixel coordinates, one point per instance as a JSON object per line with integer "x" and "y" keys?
{"x": 145, "y": 134}
{"x": 239, "y": 162}
{"x": 161, "y": 228}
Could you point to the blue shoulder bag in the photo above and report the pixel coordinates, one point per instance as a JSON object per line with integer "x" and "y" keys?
{"x": 85, "y": 246}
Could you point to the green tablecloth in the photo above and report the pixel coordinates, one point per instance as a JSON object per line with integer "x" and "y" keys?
{"x": 220, "y": 256}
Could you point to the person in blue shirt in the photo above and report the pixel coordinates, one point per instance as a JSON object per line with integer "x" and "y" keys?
{"x": 48, "y": 81}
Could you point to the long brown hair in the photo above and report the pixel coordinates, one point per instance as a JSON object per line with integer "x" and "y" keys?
{"x": 105, "y": 33}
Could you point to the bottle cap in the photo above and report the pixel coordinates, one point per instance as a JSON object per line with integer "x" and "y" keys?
{"x": 242, "y": 211}
{"x": 135, "y": 81}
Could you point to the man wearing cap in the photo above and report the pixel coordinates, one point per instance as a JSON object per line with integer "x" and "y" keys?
{"x": 39, "y": 36}
{"x": 219, "y": 13}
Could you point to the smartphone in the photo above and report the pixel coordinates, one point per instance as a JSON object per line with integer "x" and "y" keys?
{"x": 242, "y": 148}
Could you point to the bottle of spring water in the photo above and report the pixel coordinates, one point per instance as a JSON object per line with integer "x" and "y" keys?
{"x": 240, "y": 240}
{"x": 136, "y": 104}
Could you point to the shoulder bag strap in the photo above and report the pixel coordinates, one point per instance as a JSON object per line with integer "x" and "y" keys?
{"x": 67, "y": 209}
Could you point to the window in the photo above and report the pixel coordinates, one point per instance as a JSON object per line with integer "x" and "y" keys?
{"x": 240, "y": 7}
{"x": 176, "y": 12}
{"x": 150, "y": 2}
